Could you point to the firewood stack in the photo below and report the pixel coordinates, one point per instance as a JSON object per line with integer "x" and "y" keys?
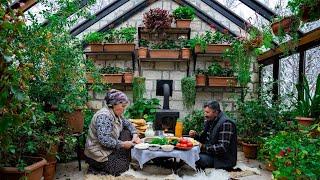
{"x": 140, "y": 125}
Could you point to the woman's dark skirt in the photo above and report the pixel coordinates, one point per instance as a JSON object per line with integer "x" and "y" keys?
{"x": 117, "y": 163}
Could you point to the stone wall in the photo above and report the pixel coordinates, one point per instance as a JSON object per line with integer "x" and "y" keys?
{"x": 170, "y": 70}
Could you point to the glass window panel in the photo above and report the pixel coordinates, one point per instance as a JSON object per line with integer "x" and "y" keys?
{"x": 310, "y": 26}
{"x": 289, "y": 75}
{"x": 312, "y": 67}
{"x": 266, "y": 82}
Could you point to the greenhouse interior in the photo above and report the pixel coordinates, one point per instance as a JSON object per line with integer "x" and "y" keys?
{"x": 160, "y": 89}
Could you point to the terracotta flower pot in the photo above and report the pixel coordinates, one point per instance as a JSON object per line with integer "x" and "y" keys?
{"x": 285, "y": 24}
{"x": 250, "y": 150}
{"x": 305, "y": 121}
{"x": 142, "y": 52}
{"x": 127, "y": 76}
{"x": 75, "y": 121}
{"x": 164, "y": 53}
{"x": 51, "y": 154}
{"x": 118, "y": 47}
{"x": 95, "y": 47}
{"x": 222, "y": 81}
{"x": 49, "y": 171}
{"x": 31, "y": 172}
{"x": 183, "y": 23}
{"x": 185, "y": 53}
{"x": 112, "y": 78}
{"x": 201, "y": 80}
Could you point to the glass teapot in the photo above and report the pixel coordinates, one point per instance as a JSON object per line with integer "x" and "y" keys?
{"x": 149, "y": 132}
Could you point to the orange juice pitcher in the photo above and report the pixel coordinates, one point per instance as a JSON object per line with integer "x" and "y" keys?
{"x": 178, "y": 129}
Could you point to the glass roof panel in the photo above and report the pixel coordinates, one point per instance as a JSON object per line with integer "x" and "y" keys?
{"x": 245, "y": 12}
{"x": 37, "y": 10}
{"x": 96, "y": 7}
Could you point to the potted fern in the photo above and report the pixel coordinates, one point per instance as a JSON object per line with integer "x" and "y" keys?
{"x": 183, "y": 16}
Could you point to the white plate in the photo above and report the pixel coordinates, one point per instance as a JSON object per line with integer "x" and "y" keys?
{"x": 142, "y": 146}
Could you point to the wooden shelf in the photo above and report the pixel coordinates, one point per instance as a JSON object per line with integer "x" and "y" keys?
{"x": 236, "y": 89}
{"x": 172, "y": 30}
{"x": 163, "y": 60}
{"x": 109, "y": 53}
{"x": 308, "y": 40}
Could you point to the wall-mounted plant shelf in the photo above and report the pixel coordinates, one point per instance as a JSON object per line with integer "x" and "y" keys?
{"x": 236, "y": 89}
{"x": 105, "y": 56}
{"x": 169, "y": 33}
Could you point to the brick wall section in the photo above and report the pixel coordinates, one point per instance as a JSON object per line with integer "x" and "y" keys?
{"x": 171, "y": 70}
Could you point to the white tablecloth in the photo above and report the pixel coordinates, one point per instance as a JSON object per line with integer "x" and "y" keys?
{"x": 190, "y": 156}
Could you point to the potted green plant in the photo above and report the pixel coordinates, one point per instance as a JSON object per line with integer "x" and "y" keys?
{"x": 213, "y": 42}
{"x": 255, "y": 39}
{"x": 308, "y": 107}
{"x": 200, "y": 77}
{"x": 293, "y": 155}
{"x": 157, "y": 19}
{"x": 166, "y": 49}
{"x": 188, "y": 88}
{"x": 128, "y": 75}
{"x": 143, "y": 48}
{"x": 307, "y": 10}
{"x": 185, "y": 47}
{"x": 282, "y": 25}
{"x": 198, "y": 44}
{"x": 111, "y": 74}
{"x": 94, "y": 41}
{"x": 183, "y": 16}
{"x": 120, "y": 40}
{"x": 221, "y": 77}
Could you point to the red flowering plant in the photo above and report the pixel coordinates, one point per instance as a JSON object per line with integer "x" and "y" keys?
{"x": 157, "y": 19}
{"x": 294, "y": 154}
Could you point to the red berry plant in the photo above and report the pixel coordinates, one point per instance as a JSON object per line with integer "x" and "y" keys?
{"x": 157, "y": 19}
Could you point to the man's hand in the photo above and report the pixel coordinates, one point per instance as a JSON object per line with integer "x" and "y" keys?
{"x": 192, "y": 133}
{"x": 127, "y": 144}
{"x": 136, "y": 139}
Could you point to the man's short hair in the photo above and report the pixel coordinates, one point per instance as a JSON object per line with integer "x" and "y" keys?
{"x": 212, "y": 105}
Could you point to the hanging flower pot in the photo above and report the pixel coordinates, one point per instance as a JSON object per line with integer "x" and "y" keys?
{"x": 287, "y": 24}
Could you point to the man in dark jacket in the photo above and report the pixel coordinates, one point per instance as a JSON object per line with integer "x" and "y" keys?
{"x": 218, "y": 139}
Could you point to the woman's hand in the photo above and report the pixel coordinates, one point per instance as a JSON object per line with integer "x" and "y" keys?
{"x": 127, "y": 144}
{"x": 136, "y": 139}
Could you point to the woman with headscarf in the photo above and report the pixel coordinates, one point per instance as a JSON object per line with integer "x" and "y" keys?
{"x": 110, "y": 137}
